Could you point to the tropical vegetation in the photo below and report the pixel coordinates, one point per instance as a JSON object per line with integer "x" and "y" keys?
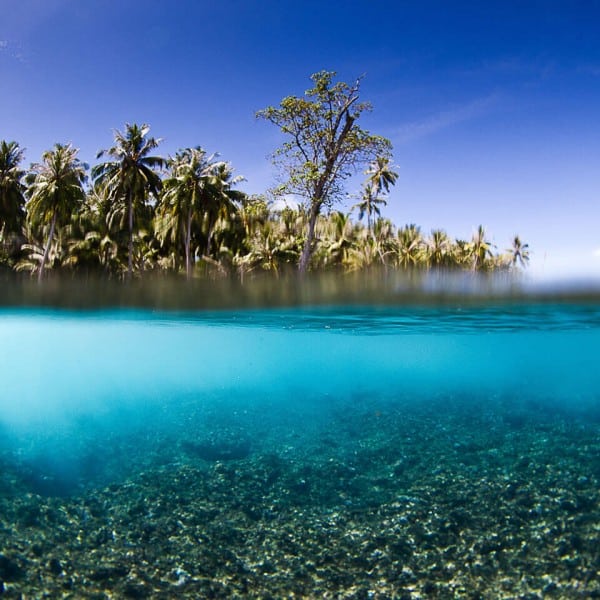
{"x": 324, "y": 146}
{"x": 140, "y": 211}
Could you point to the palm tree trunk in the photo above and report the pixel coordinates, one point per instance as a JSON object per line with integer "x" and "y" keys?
{"x": 47, "y": 248}
{"x": 188, "y": 239}
{"x": 130, "y": 253}
{"x": 209, "y": 235}
{"x": 310, "y": 236}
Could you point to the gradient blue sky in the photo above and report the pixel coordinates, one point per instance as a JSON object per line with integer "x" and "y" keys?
{"x": 492, "y": 107}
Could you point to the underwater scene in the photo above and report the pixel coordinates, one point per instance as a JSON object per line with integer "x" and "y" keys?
{"x": 432, "y": 450}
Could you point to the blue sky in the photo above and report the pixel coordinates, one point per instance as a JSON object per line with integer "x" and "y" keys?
{"x": 492, "y": 107}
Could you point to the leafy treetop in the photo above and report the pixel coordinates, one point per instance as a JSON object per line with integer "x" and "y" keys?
{"x": 324, "y": 145}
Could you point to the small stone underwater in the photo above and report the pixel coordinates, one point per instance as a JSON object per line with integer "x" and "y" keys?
{"x": 348, "y": 451}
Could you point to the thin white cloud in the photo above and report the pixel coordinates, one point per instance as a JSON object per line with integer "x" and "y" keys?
{"x": 12, "y": 51}
{"x": 444, "y": 119}
{"x": 597, "y": 252}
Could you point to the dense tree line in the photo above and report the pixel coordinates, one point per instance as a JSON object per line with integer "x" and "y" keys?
{"x": 136, "y": 211}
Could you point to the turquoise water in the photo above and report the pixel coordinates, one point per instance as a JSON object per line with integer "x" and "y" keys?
{"x": 58, "y": 365}
{"x": 336, "y": 410}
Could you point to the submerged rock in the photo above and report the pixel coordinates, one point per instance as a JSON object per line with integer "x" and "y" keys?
{"x": 10, "y": 570}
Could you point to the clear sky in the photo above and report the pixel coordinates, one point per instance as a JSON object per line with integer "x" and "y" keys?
{"x": 492, "y": 107}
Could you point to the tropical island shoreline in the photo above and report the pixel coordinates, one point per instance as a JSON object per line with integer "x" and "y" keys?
{"x": 145, "y": 213}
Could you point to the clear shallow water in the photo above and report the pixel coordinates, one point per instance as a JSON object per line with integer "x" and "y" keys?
{"x": 379, "y": 439}
{"x": 57, "y": 365}
{"x": 70, "y": 379}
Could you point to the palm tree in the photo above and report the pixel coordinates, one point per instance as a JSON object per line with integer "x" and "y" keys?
{"x": 198, "y": 189}
{"x": 364, "y": 253}
{"x": 383, "y": 233}
{"x": 481, "y": 249}
{"x": 410, "y": 246}
{"x": 108, "y": 222}
{"x": 191, "y": 182}
{"x": 438, "y": 248}
{"x": 462, "y": 253}
{"x": 368, "y": 204}
{"x": 270, "y": 249}
{"x": 519, "y": 252}
{"x": 85, "y": 237}
{"x": 341, "y": 238}
{"x": 380, "y": 175}
{"x": 55, "y": 191}
{"x": 254, "y": 213}
{"x": 12, "y": 190}
{"x": 131, "y": 176}
{"x": 379, "y": 179}
{"x": 222, "y": 201}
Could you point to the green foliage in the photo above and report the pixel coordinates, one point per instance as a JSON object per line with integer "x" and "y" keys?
{"x": 12, "y": 202}
{"x": 197, "y": 193}
{"x": 55, "y": 192}
{"x": 324, "y": 145}
{"x": 129, "y": 178}
{"x": 380, "y": 178}
{"x": 145, "y": 213}
{"x": 481, "y": 250}
{"x": 12, "y": 190}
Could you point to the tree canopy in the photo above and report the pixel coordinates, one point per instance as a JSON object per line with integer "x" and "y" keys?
{"x": 324, "y": 145}
{"x": 55, "y": 191}
{"x": 12, "y": 190}
{"x": 131, "y": 174}
{"x": 147, "y": 212}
